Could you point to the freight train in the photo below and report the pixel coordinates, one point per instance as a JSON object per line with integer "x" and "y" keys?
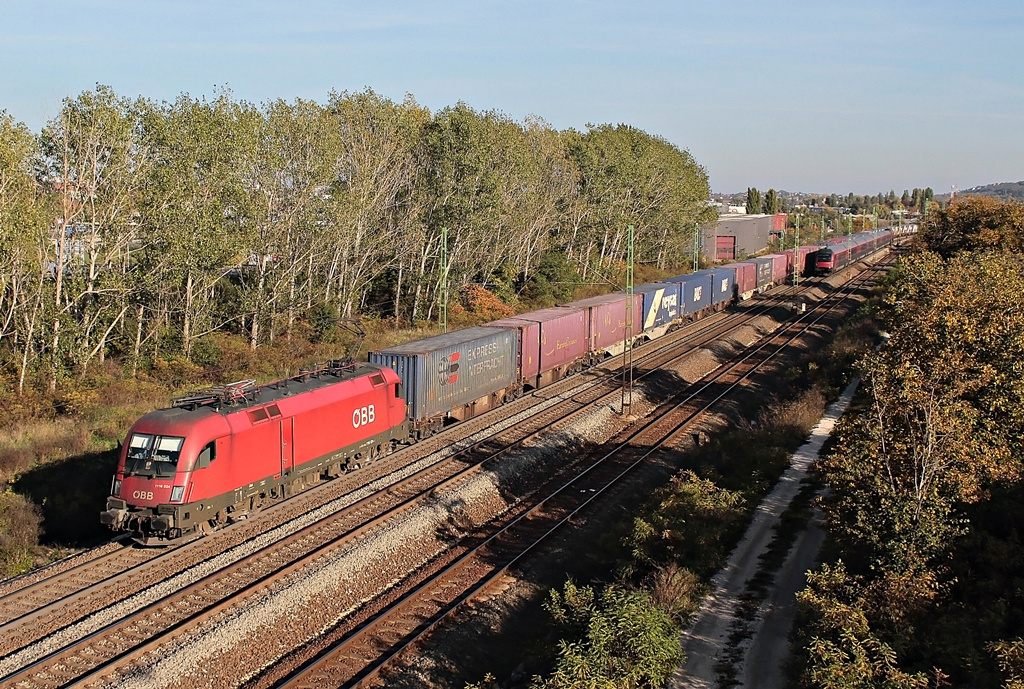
{"x": 218, "y": 455}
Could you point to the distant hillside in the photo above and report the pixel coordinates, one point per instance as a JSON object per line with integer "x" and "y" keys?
{"x": 1005, "y": 191}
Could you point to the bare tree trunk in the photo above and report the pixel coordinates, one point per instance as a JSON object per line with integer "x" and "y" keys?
{"x": 186, "y": 328}
{"x": 137, "y": 353}
{"x": 31, "y": 326}
{"x": 98, "y": 349}
{"x": 291, "y": 303}
{"x": 398, "y": 287}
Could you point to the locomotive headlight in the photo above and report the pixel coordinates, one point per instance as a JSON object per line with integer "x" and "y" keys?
{"x": 116, "y": 488}
{"x": 177, "y": 493}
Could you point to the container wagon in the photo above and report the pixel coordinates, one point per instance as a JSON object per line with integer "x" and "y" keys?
{"x": 746, "y": 279}
{"x": 608, "y": 320}
{"x": 765, "y": 267}
{"x": 697, "y": 291}
{"x": 552, "y": 343}
{"x": 660, "y": 307}
{"x": 781, "y": 264}
{"x": 455, "y": 376}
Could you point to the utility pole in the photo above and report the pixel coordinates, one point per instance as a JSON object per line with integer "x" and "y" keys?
{"x": 696, "y": 247}
{"x": 797, "y": 269}
{"x": 627, "y": 335}
{"x": 444, "y": 279}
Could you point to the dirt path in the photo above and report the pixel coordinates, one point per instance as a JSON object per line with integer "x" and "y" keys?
{"x": 761, "y": 655}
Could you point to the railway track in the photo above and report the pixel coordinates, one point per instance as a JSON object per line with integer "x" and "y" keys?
{"x": 109, "y": 645}
{"x": 358, "y": 657}
{"x": 183, "y": 611}
{"x": 47, "y": 605}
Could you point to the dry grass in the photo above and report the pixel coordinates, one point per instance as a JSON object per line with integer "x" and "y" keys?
{"x": 796, "y": 416}
{"x": 676, "y": 590}
{"x": 39, "y": 442}
{"x": 19, "y": 533}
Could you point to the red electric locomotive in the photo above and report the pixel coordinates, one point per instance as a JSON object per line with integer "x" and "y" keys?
{"x": 219, "y": 454}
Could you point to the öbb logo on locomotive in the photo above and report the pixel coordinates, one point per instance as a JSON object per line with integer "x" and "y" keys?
{"x": 363, "y": 416}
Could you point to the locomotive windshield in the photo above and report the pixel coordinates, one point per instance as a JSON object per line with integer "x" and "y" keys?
{"x": 152, "y": 455}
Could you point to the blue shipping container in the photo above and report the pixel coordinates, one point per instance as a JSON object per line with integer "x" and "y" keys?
{"x": 723, "y": 285}
{"x": 661, "y": 304}
{"x": 696, "y": 290}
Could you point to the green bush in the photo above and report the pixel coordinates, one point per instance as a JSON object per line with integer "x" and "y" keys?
{"x": 617, "y": 639}
{"x": 691, "y": 521}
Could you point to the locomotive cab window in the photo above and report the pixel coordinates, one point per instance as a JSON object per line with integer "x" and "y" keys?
{"x": 138, "y": 446}
{"x": 377, "y": 379}
{"x": 167, "y": 448}
{"x": 153, "y": 455}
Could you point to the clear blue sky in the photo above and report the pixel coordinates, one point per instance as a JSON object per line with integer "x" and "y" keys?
{"x": 803, "y": 96}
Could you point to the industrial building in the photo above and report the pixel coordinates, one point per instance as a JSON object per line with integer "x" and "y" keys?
{"x": 739, "y": 236}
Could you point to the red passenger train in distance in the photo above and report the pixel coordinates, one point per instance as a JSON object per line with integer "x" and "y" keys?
{"x": 221, "y": 453}
{"x": 840, "y": 252}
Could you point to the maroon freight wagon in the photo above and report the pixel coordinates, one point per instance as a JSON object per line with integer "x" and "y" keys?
{"x": 746, "y": 279}
{"x": 607, "y": 322}
{"x": 780, "y": 268}
{"x": 552, "y": 343}
{"x": 801, "y": 260}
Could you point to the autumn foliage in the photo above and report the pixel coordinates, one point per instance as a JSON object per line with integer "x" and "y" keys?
{"x": 973, "y": 223}
{"x": 928, "y": 590}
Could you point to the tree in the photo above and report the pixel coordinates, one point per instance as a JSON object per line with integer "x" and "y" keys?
{"x": 772, "y": 205}
{"x": 477, "y": 174}
{"x": 843, "y": 650}
{"x": 913, "y": 476}
{"x": 288, "y": 181}
{"x": 628, "y": 177}
{"x": 754, "y": 203}
{"x": 135, "y": 228}
{"x": 24, "y": 243}
{"x": 94, "y": 165}
{"x": 194, "y": 210}
{"x": 374, "y": 179}
{"x": 974, "y": 222}
{"x": 947, "y": 402}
